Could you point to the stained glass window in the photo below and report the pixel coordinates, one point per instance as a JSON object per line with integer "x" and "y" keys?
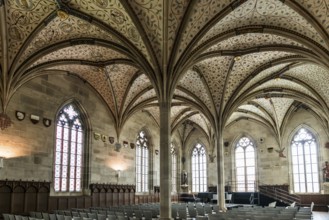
{"x": 68, "y": 150}
{"x": 305, "y": 162}
{"x": 142, "y": 162}
{"x": 199, "y": 169}
{"x": 173, "y": 169}
{"x": 245, "y": 168}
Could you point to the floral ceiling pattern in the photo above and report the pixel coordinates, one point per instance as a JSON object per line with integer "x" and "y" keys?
{"x": 220, "y": 61}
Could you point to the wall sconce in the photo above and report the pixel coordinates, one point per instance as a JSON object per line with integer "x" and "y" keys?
{"x": 125, "y": 143}
{"x": 118, "y": 174}
{"x": 1, "y": 162}
{"x": 117, "y": 147}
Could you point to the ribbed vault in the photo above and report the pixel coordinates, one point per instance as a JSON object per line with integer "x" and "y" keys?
{"x": 217, "y": 61}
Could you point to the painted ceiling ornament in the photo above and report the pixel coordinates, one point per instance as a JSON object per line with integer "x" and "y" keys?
{"x": 280, "y": 152}
{"x": 21, "y": 19}
{"x": 84, "y": 26}
{"x": 101, "y": 3}
{"x": 117, "y": 16}
{"x": 65, "y": 27}
{"x": 25, "y": 4}
{"x": 133, "y": 34}
{"x": 15, "y": 33}
{"x": 63, "y": 10}
{"x": 63, "y": 15}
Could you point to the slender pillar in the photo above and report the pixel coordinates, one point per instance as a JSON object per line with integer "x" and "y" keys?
{"x": 165, "y": 158}
{"x": 220, "y": 173}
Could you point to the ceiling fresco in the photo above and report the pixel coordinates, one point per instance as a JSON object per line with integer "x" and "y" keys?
{"x": 271, "y": 13}
{"x": 220, "y": 61}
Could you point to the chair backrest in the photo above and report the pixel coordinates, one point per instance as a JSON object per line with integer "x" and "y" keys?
{"x": 214, "y": 196}
{"x": 45, "y": 215}
{"x": 293, "y": 204}
{"x": 111, "y": 217}
{"x": 92, "y": 215}
{"x": 52, "y": 216}
{"x": 121, "y": 217}
{"x": 272, "y": 204}
{"x": 83, "y": 215}
{"x": 101, "y": 217}
{"x": 229, "y": 196}
{"x": 60, "y": 217}
{"x": 182, "y": 213}
{"x": 5, "y": 216}
{"x": 312, "y": 205}
{"x": 201, "y": 218}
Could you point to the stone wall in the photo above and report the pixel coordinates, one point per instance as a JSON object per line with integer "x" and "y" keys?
{"x": 272, "y": 169}
{"x": 28, "y": 148}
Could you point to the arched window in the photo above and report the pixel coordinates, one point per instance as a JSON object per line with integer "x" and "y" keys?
{"x": 173, "y": 169}
{"x": 245, "y": 168}
{"x": 305, "y": 162}
{"x": 68, "y": 150}
{"x": 199, "y": 169}
{"x": 142, "y": 160}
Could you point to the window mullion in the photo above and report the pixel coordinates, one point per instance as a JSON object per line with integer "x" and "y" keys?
{"x": 62, "y": 158}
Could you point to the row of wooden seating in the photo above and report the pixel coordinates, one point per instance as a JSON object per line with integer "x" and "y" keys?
{"x": 262, "y": 213}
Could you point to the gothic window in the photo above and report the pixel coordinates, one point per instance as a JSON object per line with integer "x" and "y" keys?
{"x": 142, "y": 160}
{"x": 305, "y": 162}
{"x": 173, "y": 168}
{"x": 68, "y": 150}
{"x": 245, "y": 168}
{"x": 199, "y": 169}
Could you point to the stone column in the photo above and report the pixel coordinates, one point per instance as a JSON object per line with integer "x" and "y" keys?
{"x": 165, "y": 158}
{"x": 220, "y": 173}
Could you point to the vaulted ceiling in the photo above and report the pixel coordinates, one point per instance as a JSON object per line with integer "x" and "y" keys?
{"x": 221, "y": 61}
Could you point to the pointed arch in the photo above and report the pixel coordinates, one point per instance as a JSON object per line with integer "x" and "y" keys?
{"x": 244, "y": 153}
{"x": 142, "y": 161}
{"x": 304, "y": 147}
{"x": 71, "y": 148}
{"x": 199, "y": 168}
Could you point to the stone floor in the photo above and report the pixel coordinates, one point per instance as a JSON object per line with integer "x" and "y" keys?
{"x": 320, "y": 215}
